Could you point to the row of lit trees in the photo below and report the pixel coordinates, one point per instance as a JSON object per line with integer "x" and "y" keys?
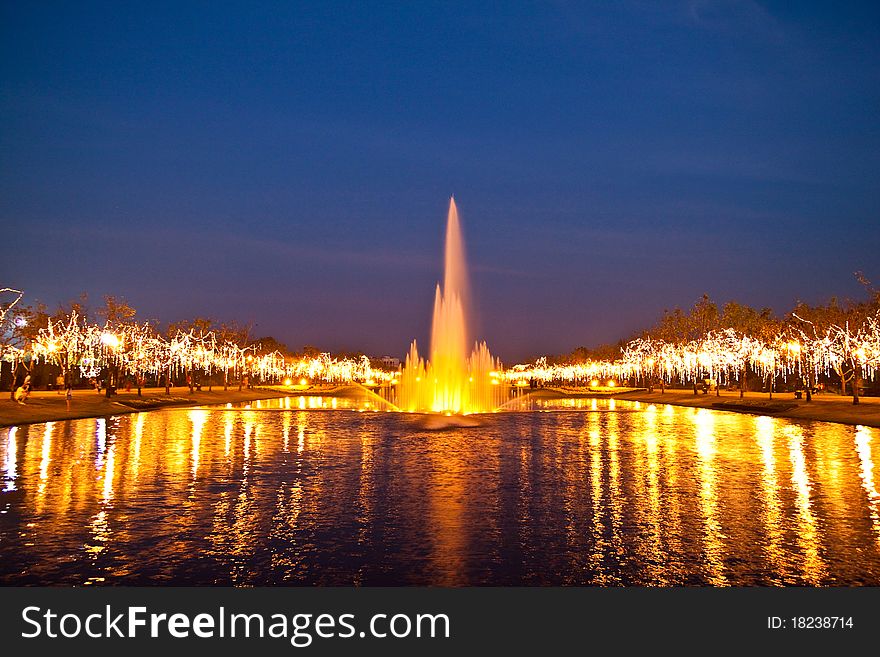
{"x": 801, "y": 352}
{"x": 839, "y": 338}
{"x": 114, "y": 344}
{"x": 11, "y": 344}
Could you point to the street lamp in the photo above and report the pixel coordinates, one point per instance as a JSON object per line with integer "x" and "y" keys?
{"x": 111, "y": 341}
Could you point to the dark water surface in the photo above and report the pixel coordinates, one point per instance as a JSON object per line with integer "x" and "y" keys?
{"x": 292, "y": 492}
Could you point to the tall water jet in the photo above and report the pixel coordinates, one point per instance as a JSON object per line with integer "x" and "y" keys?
{"x": 451, "y": 381}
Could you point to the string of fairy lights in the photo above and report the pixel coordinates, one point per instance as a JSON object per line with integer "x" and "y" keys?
{"x": 135, "y": 349}
{"x": 802, "y": 351}
{"x": 9, "y": 321}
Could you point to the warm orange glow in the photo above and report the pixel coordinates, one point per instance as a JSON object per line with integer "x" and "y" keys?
{"x": 462, "y": 384}
{"x": 453, "y": 379}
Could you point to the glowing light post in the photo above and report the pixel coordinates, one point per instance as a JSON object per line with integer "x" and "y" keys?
{"x": 247, "y": 360}
{"x": 111, "y": 343}
{"x": 210, "y": 361}
{"x": 872, "y": 346}
{"x": 169, "y": 353}
{"x": 769, "y": 360}
{"x": 793, "y": 352}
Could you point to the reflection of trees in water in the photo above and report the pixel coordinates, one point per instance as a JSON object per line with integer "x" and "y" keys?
{"x": 863, "y": 438}
{"x": 713, "y": 537}
{"x": 250, "y": 496}
{"x": 813, "y": 568}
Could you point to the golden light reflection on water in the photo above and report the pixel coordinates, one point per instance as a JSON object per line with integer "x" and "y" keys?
{"x": 863, "y": 439}
{"x": 100, "y": 532}
{"x": 366, "y": 496}
{"x": 599, "y": 542}
{"x": 672, "y": 496}
{"x": 654, "y": 549}
{"x": 704, "y": 421}
{"x": 138, "y": 427}
{"x": 300, "y": 433}
{"x": 227, "y": 434}
{"x": 772, "y": 517}
{"x": 446, "y": 504}
{"x": 571, "y": 461}
{"x": 285, "y": 431}
{"x": 253, "y": 496}
{"x": 101, "y": 439}
{"x": 615, "y": 498}
{"x": 198, "y": 417}
{"x": 10, "y": 470}
{"x": 109, "y": 467}
{"x": 44, "y": 459}
{"x": 808, "y": 535}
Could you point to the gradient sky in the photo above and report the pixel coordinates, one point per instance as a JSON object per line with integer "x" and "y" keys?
{"x": 290, "y": 164}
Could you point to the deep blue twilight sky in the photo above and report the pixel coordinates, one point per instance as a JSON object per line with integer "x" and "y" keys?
{"x": 290, "y": 164}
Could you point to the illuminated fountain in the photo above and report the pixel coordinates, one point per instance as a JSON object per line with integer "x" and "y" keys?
{"x": 452, "y": 381}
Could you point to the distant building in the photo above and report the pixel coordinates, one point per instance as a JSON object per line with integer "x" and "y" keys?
{"x": 389, "y": 362}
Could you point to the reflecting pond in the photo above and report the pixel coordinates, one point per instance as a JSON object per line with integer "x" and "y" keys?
{"x": 331, "y": 491}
